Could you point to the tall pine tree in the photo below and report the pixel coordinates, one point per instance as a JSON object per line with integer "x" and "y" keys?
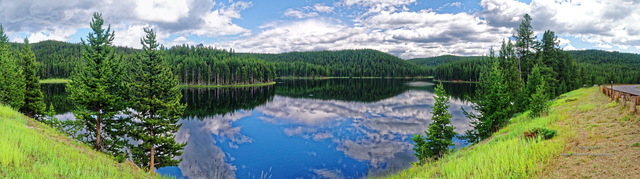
{"x": 440, "y": 134}
{"x": 492, "y": 102}
{"x": 95, "y": 88}
{"x": 156, "y": 102}
{"x": 11, "y": 77}
{"x": 33, "y": 98}
{"x": 525, "y": 42}
{"x": 538, "y": 90}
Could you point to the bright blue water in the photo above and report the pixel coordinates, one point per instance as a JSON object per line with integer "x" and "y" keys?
{"x": 341, "y": 128}
{"x": 298, "y": 137}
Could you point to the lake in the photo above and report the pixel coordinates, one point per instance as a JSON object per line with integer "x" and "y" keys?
{"x": 333, "y": 128}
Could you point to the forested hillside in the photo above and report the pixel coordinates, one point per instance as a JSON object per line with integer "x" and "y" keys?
{"x": 602, "y": 67}
{"x": 193, "y": 64}
{"x": 595, "y": 67}
{"x": 208, "y": 66}
{"x": 435, "y": 61}
{"x": 343, "y": 63}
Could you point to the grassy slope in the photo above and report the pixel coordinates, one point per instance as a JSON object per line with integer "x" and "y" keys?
{"x": 508, "y": 154}
{"x": 29, "y": 149}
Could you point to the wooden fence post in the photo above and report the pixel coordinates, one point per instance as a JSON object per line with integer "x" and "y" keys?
{"x": 634, "y": 102}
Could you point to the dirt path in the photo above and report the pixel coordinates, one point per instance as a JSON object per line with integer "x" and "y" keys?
{"x": 605, "y": 144}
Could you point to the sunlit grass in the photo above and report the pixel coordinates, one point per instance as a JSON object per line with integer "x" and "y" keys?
{"x": 29, "y": 149}
{"x": 55, "y": 80}
{"x": 508, "y": 154}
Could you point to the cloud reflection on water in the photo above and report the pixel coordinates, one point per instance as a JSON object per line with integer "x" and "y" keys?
{"x": 376, "y": 132}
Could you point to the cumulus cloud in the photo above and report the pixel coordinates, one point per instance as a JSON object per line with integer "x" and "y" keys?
{"x": 59, "y": 20}
{"x": 604, "y": 24}
{"x": 161, "y": 10}
{"x": 322, "y": 8}
{"x": 405, "y": 34}
{"x": 299, "y": 13}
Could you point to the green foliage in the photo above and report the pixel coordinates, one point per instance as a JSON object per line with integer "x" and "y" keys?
{"x": 34, "y": 106}
{"x": 198, "y": 65}
{"x": 97, "y": 89}
{"x": 343, "y": 63}
{"x": 492, "y": 102}
{"x": 544, "y": 133}
{"x": 440, "y": 134}
{"x": 537, "y": 87}
{"x": 525, "y": 42}
{"x": 444, "y": 59}
{"x": 466, "y": 69}
{"x": 156, "y": 103}
{"x": 11, "y": 77}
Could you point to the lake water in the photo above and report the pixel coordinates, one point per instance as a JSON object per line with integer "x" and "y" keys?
{"x": 336, "y": 128}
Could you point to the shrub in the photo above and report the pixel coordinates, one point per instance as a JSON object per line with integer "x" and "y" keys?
{"x": 543, "y": 132}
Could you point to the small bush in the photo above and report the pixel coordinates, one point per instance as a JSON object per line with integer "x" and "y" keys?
{"x": 635, "y": 145}
{"x": 543, "y": 132}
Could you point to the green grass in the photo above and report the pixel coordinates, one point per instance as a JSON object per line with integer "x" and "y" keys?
{"x": 226, "y": 86}
{"x": 55, "y": 80}
{"x": 29, "y": 149}
{"x": 508, "y": 154}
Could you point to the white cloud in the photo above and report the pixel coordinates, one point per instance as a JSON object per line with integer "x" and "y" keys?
{"x": 62, "y": 34}
{"x": 219, "y": 22}
{"x": 299, "y": 14}
{"x": 453, "y": 4}
{"x": 322, "y": 8}
{"x": 161, "y": 10}
{"x": 406, "y": 34}
{"x": 604, "y": 24}
{"x": 130, "y": 36}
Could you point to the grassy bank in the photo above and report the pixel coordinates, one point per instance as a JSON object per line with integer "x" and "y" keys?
{"x": 29, "y": 149}
{"x": 226, "y": 86}
{"x": 55, "y": 80}
{"x": 325, "y": 77}
{"x": 508, "y": 154}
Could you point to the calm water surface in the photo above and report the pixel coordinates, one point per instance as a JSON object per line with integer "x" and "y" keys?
{"x": 337, "y": 128}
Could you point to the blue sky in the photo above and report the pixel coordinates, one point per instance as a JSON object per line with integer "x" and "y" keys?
{"x": 405, "y": 28}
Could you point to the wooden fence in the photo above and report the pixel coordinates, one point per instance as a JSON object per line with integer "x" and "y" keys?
{"x": 623, "y": 98}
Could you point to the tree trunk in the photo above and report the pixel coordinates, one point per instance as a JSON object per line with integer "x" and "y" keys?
{"x": 98, "y": 144}
{"x": 151, "y": 161}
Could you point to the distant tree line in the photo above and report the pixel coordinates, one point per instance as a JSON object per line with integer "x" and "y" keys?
{"x": 593, "y": 67}
{"x": 343, "y": 63}
{"x": 194, "y": 65}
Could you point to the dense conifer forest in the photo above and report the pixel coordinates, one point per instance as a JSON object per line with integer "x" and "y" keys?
{"x": 343, "y": 63}
{"x": 594, "y": 67}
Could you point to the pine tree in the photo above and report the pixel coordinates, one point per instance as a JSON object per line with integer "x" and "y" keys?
{"x": 440, "y": 134}
{"x": 492, "y": 102}
{"x": 156, "y": 101}
{"x": 525, "y": 41}
{"x": 95, "y": 88}
{"x": 509, "y": 63}
{"x": 33, "y": 101}
{"x": 537, "y": 85}
{"x": 11, "y": 77}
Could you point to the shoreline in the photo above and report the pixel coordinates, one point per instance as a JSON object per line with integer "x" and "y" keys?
{"x": 227, "y": 86}
{"x": 369, "y": 77}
